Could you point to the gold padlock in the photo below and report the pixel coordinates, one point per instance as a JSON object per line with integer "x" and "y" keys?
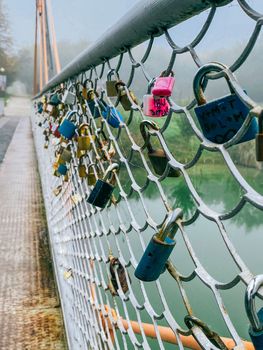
{"x": 65, "y": 154}
{"x": 82, "y": 169}
{"x": 91, "y": 177}
{"x": 111, "y": 84}
{"x": 57, "y": 190}
{"x": 84, "y": 139}
{"x": 105, "y": 147}
{"x": 124, "y": 98}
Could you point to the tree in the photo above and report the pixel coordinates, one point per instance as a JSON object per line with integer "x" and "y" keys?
{"x": 7, "y": 60}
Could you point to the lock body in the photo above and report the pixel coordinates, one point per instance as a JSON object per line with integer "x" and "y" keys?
{"x": 159, "y": 162}
{"x": 84, "y": 142}
{"x": 111, "y": 88}
{"x": 257, "y": 337}
{"x": 62, "y": 169}
{"x": 66, "y": 155}
{"x": 155, "y": 107}
{"x": 54, "y": 100}
{"x": 153, "y": 261}
{"x": 163, "y": 86}
{"x": 82, "y": 171}
{"x": 113, "y": 117}
{"x": 221, "y": 119}
{"x": 68, "y": 98}
{"x": 91, "y": 179}
{"x": 67, "y": 129}
{"x": 101, "y": 193}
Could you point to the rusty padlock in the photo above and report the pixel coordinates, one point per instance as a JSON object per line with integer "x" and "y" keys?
{"x": 116, "y": 268}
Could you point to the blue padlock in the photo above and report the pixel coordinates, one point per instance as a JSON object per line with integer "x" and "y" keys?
{"x": 221, "y": 119}
{"x": 54, "y": 99}
{"x": 67, "y": 128}
{"x": 256, "y": 319}
{"x": 112, "y": 116}
{"x": 62, "y": 169}
{"x": 102, "y": 191}
{"x": 90, "y": 100}
{"x": 153, "y": 261}
{"x": 39, "y": 107}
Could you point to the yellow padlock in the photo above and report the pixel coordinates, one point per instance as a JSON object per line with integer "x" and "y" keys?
{"x": 91, "y": 177}
{"x": 84, "y": 139}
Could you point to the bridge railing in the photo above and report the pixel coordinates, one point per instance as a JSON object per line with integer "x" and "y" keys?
{"x": 97, "y": 251}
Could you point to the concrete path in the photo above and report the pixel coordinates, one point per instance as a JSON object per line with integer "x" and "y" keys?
{"x": 30, "y": 317}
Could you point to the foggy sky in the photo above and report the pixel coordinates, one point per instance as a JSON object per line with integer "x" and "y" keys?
{"x": 79, "y": 20}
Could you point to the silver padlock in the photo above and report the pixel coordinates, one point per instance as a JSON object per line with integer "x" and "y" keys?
{"x": 69, "y": 96}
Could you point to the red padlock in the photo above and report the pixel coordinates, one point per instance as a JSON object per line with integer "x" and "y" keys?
{"x": 163, "y": 86}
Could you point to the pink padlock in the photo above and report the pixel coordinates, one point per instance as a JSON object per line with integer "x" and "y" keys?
{"x": 155, "y": 107}
{"x": 163, "y": 86}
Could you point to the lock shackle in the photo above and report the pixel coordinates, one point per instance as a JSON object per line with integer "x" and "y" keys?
{"x": 110, "y": 171}
{"x": 250, "y": 306}
{"x": 88, "y": 80}
{"x": 170, "y": 226}
{"x": 112, "y": 72}
{"x": 70, "y": 114}
{"x": 164, "y": 74}
{"x": 200, "y": 76}
{"x": 149, "y": 124}
{"x": 82, "y": 130}
{"x": 192, "y": 321}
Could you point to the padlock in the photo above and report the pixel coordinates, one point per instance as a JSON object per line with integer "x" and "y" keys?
{"x": 46, "y": 144}
{"x": 113, "y": 116}
{"x": 163, "y": 86}
{"x": 40, "y": 107}
{"x": 91, "y": 104}
{"x": 124, "y": 98}
{"x": 111, "y": 84}
{"x": 65, "y": 154}
{"x": 54, "y": 99}
{"x": 157, "y": 157}
{"x": 62, "y": 169}
{"x": 91, "y": 177}
{"x": 221, "y": 119}
{"x": 154, "y": 259}
{"x": 56, "y": 173}
{"x": 82, "y": 169}
{"x": 84, "y": 139}
{"x": 105, "y": 147}
{"x": 57, "y": 190}
{"x": 55, "y": 131}
{"x": 155, "y": 107}
{"x": 102, "y": 191}
{"x": 67, "y": 128}
{"x": 69, "y": 96}
{"x": 255, "y": 318}
{"x": 117, "y": 268}
{"x": 259, "y": 139}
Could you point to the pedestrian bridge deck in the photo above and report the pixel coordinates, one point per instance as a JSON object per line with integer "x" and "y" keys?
{"x": 30, "y": 315}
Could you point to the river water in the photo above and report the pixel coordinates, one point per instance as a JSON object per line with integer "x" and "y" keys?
{"x": 220, "y": 191}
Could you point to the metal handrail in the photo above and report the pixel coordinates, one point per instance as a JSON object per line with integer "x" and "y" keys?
{"x": 144, "y": 20}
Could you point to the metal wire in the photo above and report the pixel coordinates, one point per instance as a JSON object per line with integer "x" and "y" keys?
{"x": 83, "y": 236}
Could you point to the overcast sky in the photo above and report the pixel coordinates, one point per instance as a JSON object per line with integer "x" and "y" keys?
{"x": 77, "y": 20}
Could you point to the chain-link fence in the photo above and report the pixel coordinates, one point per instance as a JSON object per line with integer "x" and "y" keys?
{"x": 160, "y": 167}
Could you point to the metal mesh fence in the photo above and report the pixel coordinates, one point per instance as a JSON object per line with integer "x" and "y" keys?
{"x": 93, "y": 247}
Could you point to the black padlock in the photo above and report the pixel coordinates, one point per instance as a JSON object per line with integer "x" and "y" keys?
{"x": 102, "y": 191}
{"x": 259, "y": 139}
{"x": 157, "y": 157}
